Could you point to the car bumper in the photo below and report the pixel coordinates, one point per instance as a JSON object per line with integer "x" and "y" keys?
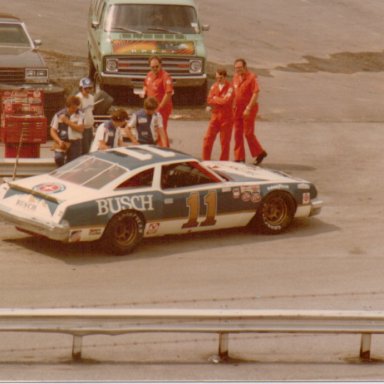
{"x": 138, "y": 81}
{"x": 312, "y": 209}
{"x": 47, "y": 229}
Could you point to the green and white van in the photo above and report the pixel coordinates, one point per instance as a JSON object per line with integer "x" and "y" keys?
{"x": 123, "y": 34}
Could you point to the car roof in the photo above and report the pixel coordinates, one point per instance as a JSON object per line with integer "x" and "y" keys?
{"x": 138, "y": 156}
{"x": 8, "y": 17}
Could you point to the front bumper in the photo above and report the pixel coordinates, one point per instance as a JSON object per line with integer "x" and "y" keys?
{"x": 138, "y": 81}
{"x": 308, "y": 210}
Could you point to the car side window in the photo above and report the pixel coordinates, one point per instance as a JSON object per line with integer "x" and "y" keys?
{"x": 142, "y": 179}
{"x": 186, "y": 174}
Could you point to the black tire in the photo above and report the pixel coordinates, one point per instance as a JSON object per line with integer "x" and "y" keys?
{"x": 123, "y": 233}
{"x": 275, "y": 213}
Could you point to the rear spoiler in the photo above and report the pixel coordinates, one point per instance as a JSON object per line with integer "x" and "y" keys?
{"x": 33, "y": 192}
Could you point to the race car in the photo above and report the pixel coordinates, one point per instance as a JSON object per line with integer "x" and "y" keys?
{"x": 122, "y": 195}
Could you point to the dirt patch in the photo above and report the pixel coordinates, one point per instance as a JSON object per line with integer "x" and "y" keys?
{"x": 343, "y": 62}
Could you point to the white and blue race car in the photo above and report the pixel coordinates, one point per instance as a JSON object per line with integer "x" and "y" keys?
{"x": 123, "y": 194}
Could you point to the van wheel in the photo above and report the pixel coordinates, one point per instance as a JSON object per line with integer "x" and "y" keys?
{"x": 123, "y": 233}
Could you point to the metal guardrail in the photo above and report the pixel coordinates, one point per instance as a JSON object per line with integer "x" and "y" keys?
{"x": 83, "y": 322}
{"x": 26, "y": 167}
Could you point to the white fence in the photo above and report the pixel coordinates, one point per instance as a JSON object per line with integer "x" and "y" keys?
{"x": 82, "y": 322}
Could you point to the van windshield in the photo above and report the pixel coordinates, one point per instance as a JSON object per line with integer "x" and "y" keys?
{"x": 151, "y": 18}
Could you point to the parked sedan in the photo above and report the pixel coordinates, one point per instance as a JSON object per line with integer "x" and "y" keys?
{"x": 121, "y": 195}
{"x": 22, "y": 66}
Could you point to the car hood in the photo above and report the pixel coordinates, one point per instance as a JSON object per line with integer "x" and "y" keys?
{"x": 243, "y": 172}
{"x": 20, "y": 57}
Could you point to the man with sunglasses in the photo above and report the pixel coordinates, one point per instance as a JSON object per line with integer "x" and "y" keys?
{"x": 159, "y": 84}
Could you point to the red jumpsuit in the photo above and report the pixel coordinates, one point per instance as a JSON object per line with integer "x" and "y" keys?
{"x": 157, "y": 86}
{"x": 221, "y": 101}
{"x": 245, "y": 86}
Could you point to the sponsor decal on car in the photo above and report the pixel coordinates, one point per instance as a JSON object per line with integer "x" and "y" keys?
{"x": 49, "y": 188}
{"x": 95, "y": 232}
{"x": 236, "y": 193}
{"x": 256, "y": 197}
{"x": 306, "y": 198}
{"x": 152, "y": 228}
{"x": 246, "y": 196}
{"x": 117, "y": 204}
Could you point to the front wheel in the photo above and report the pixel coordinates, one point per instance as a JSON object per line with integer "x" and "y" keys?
{"x": 123, "y": 233}
{"x": 275, "y": 213}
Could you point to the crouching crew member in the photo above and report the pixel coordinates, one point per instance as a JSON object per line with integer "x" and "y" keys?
{"x": 148, "y": 125}
{"x": 108, "y": 134}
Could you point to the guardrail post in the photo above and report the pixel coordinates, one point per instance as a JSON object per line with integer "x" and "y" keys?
{"x": 76, "y": 347}
{"x": 223, "y": 346}
{"x": 365, "y": 347}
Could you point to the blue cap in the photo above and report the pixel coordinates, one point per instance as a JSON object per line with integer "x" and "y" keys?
{"x": 86, "y": 82}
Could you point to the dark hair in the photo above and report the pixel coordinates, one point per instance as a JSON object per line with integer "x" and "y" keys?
{"x": 119, "y": 114}
{"x": 221, "y": 71}
{"x": 241, "y": 61}
{"x": 154, "y": 57}
{"x": 151, "y": 103}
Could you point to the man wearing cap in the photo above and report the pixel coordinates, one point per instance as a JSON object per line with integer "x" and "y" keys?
{"x": 87, "y": 103}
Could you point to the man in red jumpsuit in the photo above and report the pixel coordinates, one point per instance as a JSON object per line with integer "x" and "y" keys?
{"x": 158, "y": 83}
{"x": 220, "y": 100}
{"x": 246, "y": 108}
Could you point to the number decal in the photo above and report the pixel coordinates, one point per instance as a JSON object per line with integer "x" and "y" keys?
{"x": 210, "y": 200}
{"x": 193, "y": 203}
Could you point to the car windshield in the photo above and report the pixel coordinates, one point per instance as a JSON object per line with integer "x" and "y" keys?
{"x": 89, "y": 172}
{"x": 150, "y": 18}
{"x": 13, "y": 35}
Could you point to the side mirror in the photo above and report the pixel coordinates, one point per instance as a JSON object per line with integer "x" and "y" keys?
{"x": 205, "y": 27}
{"x": 95, "y": 24}
{"x": 37, "y": 42}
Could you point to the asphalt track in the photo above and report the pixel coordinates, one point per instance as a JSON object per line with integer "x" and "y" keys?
{"x": 320, "y": 69}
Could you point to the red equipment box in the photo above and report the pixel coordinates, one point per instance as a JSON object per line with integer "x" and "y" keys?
{"x": 23, "y": 126}
{"x": 33, "y": 129}
{"x": 26, "y": 150}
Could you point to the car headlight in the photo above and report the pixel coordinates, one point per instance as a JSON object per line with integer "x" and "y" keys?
{"x": 112, "y": 65}
{"x": 196, "y": 66}
{"x": 36, "y": 75}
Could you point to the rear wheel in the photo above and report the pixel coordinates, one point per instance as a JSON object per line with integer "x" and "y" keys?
{"x": 275, "y": 213}
{"x": 123, "y": 233}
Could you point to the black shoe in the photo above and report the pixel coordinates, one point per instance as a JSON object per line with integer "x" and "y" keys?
{"x": 260, "y": 158}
